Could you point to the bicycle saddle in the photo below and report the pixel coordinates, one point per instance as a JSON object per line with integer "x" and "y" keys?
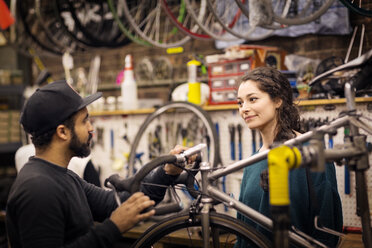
{"x": 360, "y": 62}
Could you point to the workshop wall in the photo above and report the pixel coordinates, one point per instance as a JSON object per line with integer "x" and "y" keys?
{"x": 112, "y": 60}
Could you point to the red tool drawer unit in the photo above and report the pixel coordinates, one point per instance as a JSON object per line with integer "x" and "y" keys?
{"x": 223, "y": 72}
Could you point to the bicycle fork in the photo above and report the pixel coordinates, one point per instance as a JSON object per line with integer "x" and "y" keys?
{"x": 207, "y": 204}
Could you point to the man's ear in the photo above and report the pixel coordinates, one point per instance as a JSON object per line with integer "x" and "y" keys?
{"x": 63, "y": 132}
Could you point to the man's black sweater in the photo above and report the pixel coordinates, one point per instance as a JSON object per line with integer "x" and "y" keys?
{"x": 51, "y": 206}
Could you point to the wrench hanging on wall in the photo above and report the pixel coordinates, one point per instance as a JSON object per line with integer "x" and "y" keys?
{"x": 232, "y": 141}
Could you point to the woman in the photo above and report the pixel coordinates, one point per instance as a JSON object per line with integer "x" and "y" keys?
{"x": 266, "y": 104}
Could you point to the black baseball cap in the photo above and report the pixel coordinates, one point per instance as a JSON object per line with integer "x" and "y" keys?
{"x": 51, "y": 105}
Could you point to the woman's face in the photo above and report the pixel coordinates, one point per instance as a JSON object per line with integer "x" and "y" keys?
{"x": 256, "y": 107}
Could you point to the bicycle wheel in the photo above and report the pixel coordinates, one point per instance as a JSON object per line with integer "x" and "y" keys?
{"x": 363, "y": 8}
{"x": 225, "y": 231}
{"x": 148, "y": 20}
{"x": 183, "y": 121}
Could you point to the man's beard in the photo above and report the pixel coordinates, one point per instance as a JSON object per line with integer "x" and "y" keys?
{"x": 78, "y": 148}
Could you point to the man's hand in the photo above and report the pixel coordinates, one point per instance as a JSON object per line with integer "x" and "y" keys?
{"x": 170, "y": 169}
{"x": 129, "y": 213}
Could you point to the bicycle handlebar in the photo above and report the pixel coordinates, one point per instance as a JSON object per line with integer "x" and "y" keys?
{"x": 133, "y": 183}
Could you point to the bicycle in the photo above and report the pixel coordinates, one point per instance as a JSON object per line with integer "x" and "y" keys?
{"x": 219, "y": 228}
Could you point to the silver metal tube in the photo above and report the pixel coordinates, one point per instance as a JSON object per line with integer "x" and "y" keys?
{"x": 262, "y": 155}
{"x": 351, "y": 44}
{"x": 335, "y": 154}
{"x": 193, "y": 150}
{"x": 205, "y": 224}
{"x": 361, "y": 40}
{"x": 350, "y": 96}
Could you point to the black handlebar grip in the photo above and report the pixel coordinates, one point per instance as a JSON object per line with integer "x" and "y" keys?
{"x": 168, "y": 208}
{"x": 119, "y": 183}
{"x": 165, "y": 209}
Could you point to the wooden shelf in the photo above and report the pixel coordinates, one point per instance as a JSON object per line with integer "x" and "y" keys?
{"x": 332, "y": 101}
{"x": 122, "y": 112}
{"x": 231, "y": 106}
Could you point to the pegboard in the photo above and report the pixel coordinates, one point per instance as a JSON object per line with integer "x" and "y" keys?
{"x": 348, "y": 200}
{"x": 105, "y": 153}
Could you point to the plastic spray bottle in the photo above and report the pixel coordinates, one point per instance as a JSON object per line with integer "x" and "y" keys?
{"x": 129, "y": 87}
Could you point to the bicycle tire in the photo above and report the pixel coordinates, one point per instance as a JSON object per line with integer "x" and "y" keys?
{"x": 357, "y": 9}
{"x": 222, "y": 222}
{"x": 299, "y": 20}
{"x": 214, "y": 154}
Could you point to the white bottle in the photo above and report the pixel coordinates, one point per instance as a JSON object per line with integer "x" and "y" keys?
{"x": 129, "y": 86}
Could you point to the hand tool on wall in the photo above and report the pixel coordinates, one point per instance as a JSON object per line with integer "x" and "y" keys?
{"x": 168, "y": 132}
{"x": 178, "y": 133}
{"x": 125, "y": 136}
{"x": 158, "y": 143}
{"x": 260, "y": 140}
{"x": 184, "y": 136}
{"x": 207, "y": 139}
{"x": 232, "y": 141}
{"x": 112, "y": 144}
{"x": 117, "y": 163}
{"x": 253, "y": 133}
{"x": 155, "y": 145}
{"x": 192, "y": 131}
{"x": 217, "y": 125}
{"x": 100, "y": 131}
{"x": 239, "y": 128}
{"x": 151, "y": 146}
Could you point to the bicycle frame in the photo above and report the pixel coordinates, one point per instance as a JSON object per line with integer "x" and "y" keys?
{"x": 316, "y": 156}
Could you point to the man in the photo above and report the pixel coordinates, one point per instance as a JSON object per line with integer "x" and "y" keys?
{"x": 51, "y": 206}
